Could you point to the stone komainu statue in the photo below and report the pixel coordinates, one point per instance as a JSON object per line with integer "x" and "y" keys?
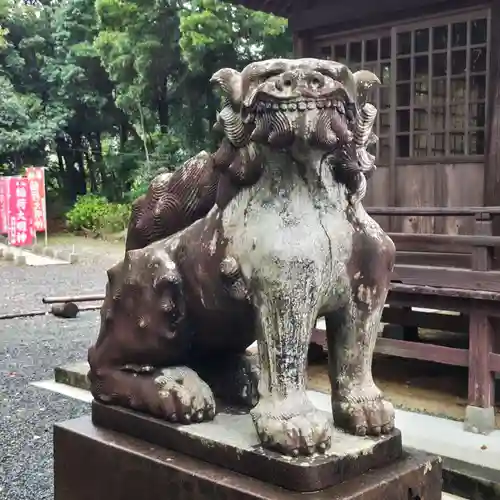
{"x": 255, "y": 242}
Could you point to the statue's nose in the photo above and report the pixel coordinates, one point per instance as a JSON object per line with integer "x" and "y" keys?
{"x": 314, "y": 80}
{"x": 311, "y": 79}
{"x": 287, "y": 80}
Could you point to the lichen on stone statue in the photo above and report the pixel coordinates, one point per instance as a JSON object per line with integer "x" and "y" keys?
{"x": 255, "y": 242}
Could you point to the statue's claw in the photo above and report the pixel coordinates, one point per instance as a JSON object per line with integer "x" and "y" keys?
{"x": 302, "y": 431}
{"x": 364, "y": 414}
{"x": 185, "y": 397}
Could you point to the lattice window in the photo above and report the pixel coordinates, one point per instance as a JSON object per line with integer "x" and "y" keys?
{"x": 373, "y": 54}
{"x": 432, "y": 102}
{"x": 441, "y": 89}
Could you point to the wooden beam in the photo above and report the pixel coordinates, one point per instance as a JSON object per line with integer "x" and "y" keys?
{"x": 336, "y": 12}
{"x": 425, "y": 258}
{"x": 448, "y": 277}
{"x": 435, "y": 300}
{"x": 444, "y": 299}
{"x": 411, "y": 350}
{"x": 494, "y": 362}
{"x": 446, "y": 239}
{"x": 423, "y": 352}
{"x": 433, "y": 321}
{"x": 435, "y": 211}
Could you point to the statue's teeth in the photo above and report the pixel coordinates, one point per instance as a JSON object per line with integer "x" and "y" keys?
{"x": 300, "y": 105}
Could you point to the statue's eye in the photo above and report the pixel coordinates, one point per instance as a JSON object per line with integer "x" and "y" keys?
{"x": 270, "y": 74}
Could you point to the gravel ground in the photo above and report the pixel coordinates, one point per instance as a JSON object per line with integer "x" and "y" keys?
{"x": 22, "y": 288}
{"x": 29, "y": 351}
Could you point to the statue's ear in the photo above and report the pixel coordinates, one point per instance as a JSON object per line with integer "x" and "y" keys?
{"x": 364, "y": 81}
{"x": 229, "y": 82}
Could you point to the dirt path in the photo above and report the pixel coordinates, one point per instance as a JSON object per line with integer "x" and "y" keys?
{"x": 93, "y": 251}
{"x": 413, "y": 385}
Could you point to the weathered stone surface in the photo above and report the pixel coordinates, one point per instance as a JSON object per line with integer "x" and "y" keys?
{"x": 74, "y": 375}
{"x": 66, "y": 310}
{"x": 254, "y": 242}
{"x": 470, "y": 481}
{"x": 479, "y": 420}
{"x": 92, "y": 463}
{"x": 230, "y": 441}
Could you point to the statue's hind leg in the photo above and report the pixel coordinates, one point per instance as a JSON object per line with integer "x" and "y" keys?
{"x": 357, "y": 403}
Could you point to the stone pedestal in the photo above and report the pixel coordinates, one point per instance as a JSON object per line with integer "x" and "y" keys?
{"x": 145, "y": 458}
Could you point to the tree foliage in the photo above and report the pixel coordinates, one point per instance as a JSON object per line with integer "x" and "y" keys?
{"x": 105, "y": 93}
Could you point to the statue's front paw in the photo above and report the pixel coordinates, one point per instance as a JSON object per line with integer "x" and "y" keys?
{"x": 184, "y": 396}
{"x": 292, "y": 426}
{"x": 364, "y": 412}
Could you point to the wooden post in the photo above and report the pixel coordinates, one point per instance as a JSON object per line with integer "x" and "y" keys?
{"x": 492, "y": 151}
{"x": 302, "y": 44}
{"x": 481, "y": 381}
{"x": 410, "y": 333}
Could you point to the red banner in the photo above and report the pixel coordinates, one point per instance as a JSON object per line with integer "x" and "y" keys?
{"x": 36, "y": 178}
{"x": 21, "y": 228}
{"x": 3, "y": 205}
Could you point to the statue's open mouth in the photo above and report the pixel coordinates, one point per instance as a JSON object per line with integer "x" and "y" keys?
{"x": 325, "y": 122}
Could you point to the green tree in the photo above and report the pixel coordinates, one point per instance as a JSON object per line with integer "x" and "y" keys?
{"x": 82, "y": 86}
{"x": 216, "y": 34}
{"x": 108, "y": 92}
{"x": 28, "y": 120}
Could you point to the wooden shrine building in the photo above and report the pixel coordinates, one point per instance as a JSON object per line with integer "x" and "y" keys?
{"x": 439, "y": 66}
{"x": 437, "y": 186}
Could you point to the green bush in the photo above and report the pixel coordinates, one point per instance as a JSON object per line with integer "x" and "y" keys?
{"x": 97, "y": 214}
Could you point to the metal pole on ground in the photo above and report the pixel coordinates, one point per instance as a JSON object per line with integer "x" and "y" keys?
{"x": 76, "y": 298}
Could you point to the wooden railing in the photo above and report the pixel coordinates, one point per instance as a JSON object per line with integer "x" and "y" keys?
{"x": 447, "y": 273}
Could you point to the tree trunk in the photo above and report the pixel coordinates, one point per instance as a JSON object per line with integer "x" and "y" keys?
{"x": 79, "y": 165}
{"x": 92, "y": 173}
{"x": 163, "y": 108}
{"x": 67, "y": 172}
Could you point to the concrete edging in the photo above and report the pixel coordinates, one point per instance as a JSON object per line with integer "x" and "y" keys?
{"x": 479, "y": 420}
{"x": 36, "y": 249}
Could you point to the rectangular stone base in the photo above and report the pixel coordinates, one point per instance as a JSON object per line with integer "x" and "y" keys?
{"x": 91, "y": 463}
{"x": 231, "y": 441}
